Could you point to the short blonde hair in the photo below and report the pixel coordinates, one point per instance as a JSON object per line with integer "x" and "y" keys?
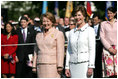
{"x": 51, "y": 17}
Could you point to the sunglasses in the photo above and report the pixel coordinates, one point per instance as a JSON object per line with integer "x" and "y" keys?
{"x": 72, "y": 20}
{"x": 71, "y": 24}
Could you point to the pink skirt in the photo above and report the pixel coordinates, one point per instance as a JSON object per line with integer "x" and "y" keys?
{"x": 47, "y": 71}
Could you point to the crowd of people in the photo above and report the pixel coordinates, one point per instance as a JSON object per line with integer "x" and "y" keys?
{"x": 53, "y": 47}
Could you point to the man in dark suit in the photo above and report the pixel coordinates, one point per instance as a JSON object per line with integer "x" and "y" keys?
{"x": 66, "y": 24}
{"x": 99, "y": 47}
{"x": 25, "y": 35}
{"x": 59, "y": 27}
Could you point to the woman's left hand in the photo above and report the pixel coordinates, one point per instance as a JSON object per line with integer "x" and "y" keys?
{"x": 89, "y": 72}
{"x": 34, "y": 70}
{"x": 59, "y": 70}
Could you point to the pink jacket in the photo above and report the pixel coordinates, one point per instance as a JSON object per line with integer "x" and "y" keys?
{"x": 51, "y": 47}
{"x": 108, "y": 34}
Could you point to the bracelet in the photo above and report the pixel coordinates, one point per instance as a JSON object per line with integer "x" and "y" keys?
{"x": 59, "y": 67}
{"x": 33, "y": 67}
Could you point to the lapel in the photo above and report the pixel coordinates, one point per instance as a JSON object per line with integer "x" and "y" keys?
{"x": 98, "y": 33}
{"x": 21, "y": 36}
{"x": 28, "y": 34}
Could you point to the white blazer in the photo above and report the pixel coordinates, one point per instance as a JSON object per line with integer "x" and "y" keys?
{"x": 81, "y": 46}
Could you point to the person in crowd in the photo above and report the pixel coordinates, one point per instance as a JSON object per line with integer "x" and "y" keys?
{"x": 71, "y": 19}
{"x": 60, "y": 27}
{"x": 90, "y": 22}
{"x": 37, "y": 25}
{"x": 99, "y": 46}
{"x": 49, "y": 52}
{"x": 66, "y": 24}
{"x": 30, "y": 21}
{"x": 72, "y": 25}
{"x": 61, "y": 22}
{"x": 108, "y": 34}
{"x": 8, "y": 53}
{"x": 80, "y": 55}
{"x": 24, "y": 52}
{"x": 2, "y": 25}
{"x": 15, "y": 24}
{"x": 27, "y": 16}
{"x": 57, "y": 20}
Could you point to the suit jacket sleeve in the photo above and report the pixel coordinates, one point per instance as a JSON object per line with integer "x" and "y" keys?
{"x": 60, "y": 49}
{"x": 91, "y": 48}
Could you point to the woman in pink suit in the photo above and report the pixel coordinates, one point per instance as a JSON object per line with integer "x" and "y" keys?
{"x": 108, "y": 34}
{"x": 8, "y": 53}
{"x": 49, "y": 52}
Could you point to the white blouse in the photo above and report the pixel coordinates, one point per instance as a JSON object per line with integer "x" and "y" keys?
{"x": 81, "y": 46}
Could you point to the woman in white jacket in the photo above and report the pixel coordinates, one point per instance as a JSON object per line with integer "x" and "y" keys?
{"x": 80, "y": 54}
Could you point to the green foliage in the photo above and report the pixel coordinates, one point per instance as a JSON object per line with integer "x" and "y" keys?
{"x": 34, "y": 8}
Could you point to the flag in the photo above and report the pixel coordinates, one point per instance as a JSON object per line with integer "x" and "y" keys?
{"x": 108, "y": 4}
{"x": 56, "y": 9}
{"x": 89, "y": 12}
{"x": 45, "y": 7}
{"x": 113, "y": 4}
{"x": 69, "y": 9}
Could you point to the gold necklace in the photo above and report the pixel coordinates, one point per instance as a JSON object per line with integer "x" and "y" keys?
{"x": 8, "y": 35}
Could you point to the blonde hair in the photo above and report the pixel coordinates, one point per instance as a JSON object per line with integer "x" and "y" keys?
{"x": 51, "y": 17}
{"x": 48, "y": 15}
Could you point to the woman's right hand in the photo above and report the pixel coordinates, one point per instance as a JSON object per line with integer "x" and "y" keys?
{"x": 112, "y": 51}
{"x": 115, "y": 51}
{"x": 17, "y": 60}
{"x": 67, "y": 72}
{"x": 6, "y": 56}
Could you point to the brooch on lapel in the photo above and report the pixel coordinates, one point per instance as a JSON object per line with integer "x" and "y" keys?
{"x": 52, "y": 35}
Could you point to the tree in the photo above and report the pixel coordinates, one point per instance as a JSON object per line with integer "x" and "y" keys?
{"x": 34, "y": 8}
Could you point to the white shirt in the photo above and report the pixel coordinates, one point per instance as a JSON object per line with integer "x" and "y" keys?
{"x": 96, "y": 29}
{"x": 25, "y": 29}
{"x": 66, "y": 26}
{"x": 37, "y": 28}
{"x": 57, "y": 28}
{"x": 81, "y": 46}
{"x": 67, "y": 34}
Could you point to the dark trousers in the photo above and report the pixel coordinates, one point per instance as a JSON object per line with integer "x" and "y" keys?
{"x": 98, "y": 60}
{"x": 20, "y": 69}
{"x": 23, "y": 71}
